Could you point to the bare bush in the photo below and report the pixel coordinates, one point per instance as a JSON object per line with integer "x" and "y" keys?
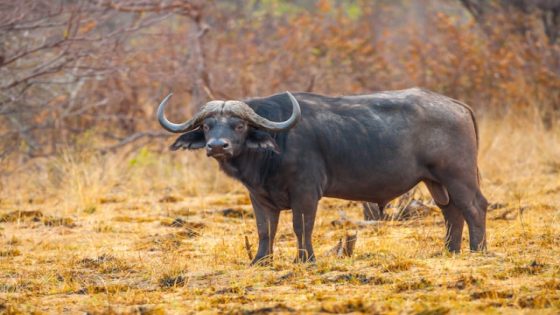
{"x": 88, "y": 74}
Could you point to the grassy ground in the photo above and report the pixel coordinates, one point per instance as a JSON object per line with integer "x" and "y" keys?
{"x": 152, "y": 234}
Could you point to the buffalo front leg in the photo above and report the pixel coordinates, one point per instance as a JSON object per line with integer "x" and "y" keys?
{"x": 304, "y": 208}
{"x": 267, "y": 223}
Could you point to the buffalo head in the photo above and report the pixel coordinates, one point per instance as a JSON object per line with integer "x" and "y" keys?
{"x": 227, "y": 128}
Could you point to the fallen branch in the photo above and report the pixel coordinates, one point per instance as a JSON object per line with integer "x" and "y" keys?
{"x": 345, "y": 246}
{"x": 248, "y": 248}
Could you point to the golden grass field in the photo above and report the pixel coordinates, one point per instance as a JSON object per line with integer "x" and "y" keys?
{"x": 147, "y": 234}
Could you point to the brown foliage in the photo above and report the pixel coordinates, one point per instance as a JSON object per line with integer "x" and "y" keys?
{"x": 76, "y": 71}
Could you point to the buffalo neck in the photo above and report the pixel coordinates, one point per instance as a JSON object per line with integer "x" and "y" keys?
{"x": 252, "y": 167}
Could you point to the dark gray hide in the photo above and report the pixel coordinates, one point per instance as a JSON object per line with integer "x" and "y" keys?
{"x": 367, "y": 148}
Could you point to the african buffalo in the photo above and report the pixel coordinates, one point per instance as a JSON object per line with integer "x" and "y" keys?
{"x": 291, "y": 150}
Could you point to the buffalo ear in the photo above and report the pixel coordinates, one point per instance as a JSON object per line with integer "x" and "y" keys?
{"x": 260, "y": 140}
{"x": 191, "y": 140}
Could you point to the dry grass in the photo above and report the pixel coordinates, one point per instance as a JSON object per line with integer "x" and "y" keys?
{"x": 150, "y": 235}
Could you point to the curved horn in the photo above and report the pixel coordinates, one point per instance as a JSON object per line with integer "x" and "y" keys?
{"x": 277, "y": 126}
{"x": 177, "y": 128}
{"x": 236, "y": 107}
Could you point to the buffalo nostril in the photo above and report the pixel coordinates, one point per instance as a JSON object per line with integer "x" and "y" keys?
{"x": 218, "y": 145}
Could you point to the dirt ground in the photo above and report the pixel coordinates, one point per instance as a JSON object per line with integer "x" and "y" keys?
{"x": 158, "y": 233}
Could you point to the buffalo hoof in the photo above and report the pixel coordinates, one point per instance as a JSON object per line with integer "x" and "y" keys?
{"x": 305, "y": 260}
{"x": 262, "y": 261}
{"x": 452, "y": 251}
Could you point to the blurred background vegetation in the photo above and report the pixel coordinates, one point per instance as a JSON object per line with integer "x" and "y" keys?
{"x": 90, "y": 73}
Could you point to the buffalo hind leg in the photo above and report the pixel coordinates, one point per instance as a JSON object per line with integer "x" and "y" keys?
{"x": 454, "y": 220}
{"x": 476, "y": 219}
{"x": 267, "y": 224}
{"x": 471, "y": 203}
{"x": 373, "y": 211}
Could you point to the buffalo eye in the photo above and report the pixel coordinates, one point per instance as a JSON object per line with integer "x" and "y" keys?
{"x": 240, "y": 127}
{"x": 205, "y": 127}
